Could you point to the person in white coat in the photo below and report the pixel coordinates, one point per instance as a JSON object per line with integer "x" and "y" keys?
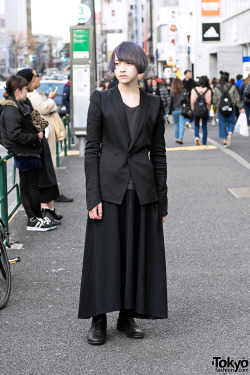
{"x": 46, "y": 107}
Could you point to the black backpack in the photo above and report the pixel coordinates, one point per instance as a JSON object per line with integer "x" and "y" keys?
{"x": 200, "y": 105}
{"x": 225, "y": 106}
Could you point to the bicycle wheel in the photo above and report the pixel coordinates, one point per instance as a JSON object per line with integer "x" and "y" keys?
{"x": 5, "y": 276}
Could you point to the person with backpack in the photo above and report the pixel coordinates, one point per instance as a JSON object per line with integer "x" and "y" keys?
{"x": 245, "y": 95}
{"x": 201, "y": 97}
{"x": 225, "y": 99}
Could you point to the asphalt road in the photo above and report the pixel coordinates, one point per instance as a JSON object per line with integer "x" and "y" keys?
{"x": 207, "y": 240}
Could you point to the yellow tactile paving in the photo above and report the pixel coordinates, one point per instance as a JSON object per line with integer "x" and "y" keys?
{"x": 192, "y": 148}
{"x": 70, "y": 153}
{"x": 184, "y": 148}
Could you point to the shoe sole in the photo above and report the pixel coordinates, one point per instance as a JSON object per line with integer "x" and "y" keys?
{"x": 36, "y": 229}
{"x": 95, "y": 343}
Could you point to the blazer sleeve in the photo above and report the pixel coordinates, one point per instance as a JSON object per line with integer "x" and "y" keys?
{"x": 159, "y": 161}
{"x": 92, "y": 151}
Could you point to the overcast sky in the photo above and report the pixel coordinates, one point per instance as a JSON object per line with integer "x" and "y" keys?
{"x": 53, "y": 17}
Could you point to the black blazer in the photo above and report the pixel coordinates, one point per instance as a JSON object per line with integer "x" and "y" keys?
{"x": 111, "y": 156}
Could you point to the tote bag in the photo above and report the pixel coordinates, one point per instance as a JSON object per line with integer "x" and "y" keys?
{"x": 59, "y": 127}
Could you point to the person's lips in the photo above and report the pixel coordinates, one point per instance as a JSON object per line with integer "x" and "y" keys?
{"x": 123, "y": 76}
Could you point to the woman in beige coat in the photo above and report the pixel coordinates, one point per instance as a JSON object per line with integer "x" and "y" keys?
{"x": 46, "y": 107}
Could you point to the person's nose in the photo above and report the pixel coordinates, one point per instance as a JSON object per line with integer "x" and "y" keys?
{"x": 123, "y": 67}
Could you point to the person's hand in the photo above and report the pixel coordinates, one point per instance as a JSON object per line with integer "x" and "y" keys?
{"x": 242, "y": 110}
{"x": 96, "y": 212}
{"x": 40, "y": 135}
{"x": 164, "y": 219}
{"x": 52, "y": 94}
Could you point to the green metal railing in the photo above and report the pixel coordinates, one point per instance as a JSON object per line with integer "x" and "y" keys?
{"x": 66, "y": 143}
{"x": 4, "y": 192}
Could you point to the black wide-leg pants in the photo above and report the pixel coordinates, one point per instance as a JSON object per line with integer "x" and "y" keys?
{"x": 124, "y": 264}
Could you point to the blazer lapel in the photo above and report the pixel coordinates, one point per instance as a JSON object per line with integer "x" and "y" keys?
{"x": 120, "y": 110}
{"x": 144, "y": 102}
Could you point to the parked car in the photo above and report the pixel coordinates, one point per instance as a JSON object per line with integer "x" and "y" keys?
{"x": 47, "y": 86}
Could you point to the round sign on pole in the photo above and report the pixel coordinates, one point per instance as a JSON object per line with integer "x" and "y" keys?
{"x": 83, "y": 13}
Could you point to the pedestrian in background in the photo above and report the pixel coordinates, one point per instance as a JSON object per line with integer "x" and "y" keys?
{"x": 177, "y": 96}
{"x": 48, "y": 186}
{"x": 246, "y": 101}
{"x": 201, "y": 97}
{"x": 125, "y": 165}
{"x": 19, "y": 135}
{"x": 46, "y": 107}
{"x": 188, "y": 84}
{"x": 66, "y": 96}
{"x": 225, "y": 99}
{"x": 164, "y": 94}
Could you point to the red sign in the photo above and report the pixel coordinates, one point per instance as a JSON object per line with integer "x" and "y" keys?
{"x": 210, "y": 8}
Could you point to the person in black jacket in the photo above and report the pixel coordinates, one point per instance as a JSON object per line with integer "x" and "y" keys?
{"x": 19, "y": 135}
{"x": 125, "y": 164}
{"x": 188, "y": 84}
{"x": 66, "y": 95}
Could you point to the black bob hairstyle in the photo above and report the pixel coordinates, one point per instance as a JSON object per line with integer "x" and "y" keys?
{"x": 131, "y": 53}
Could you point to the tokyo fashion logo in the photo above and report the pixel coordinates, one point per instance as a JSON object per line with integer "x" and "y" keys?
{"x": 230, "y": 365}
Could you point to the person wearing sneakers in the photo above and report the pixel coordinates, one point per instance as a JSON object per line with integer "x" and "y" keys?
{"x": 18, "y": 135}
{"x": 47, "y": 178}
{"x": 226, "y": 97}
{"x": 201, "y": 97}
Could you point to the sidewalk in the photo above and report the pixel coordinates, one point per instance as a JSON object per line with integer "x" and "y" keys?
{"x": 207, "y": 247}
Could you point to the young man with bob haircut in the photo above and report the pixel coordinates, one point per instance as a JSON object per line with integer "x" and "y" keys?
{"x": 125, "y": 164}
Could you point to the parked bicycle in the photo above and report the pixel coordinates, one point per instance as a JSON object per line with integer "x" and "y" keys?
{"x": 5, "y": 275}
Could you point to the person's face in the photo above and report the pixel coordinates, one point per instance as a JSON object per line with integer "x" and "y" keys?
{"x": 125, "y": 72}
{"x": 149, "y": 81}
{"x": 21, "y": 95}
{"x": 154, "y": 83}
{"x": 106, "y": 85}
{"x": 36, "y": 80}
{"x": 140, "y": 76}
{"x": 188, "y": 75}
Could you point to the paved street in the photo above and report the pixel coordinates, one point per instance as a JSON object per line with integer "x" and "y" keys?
{"x": 207, "y": 241}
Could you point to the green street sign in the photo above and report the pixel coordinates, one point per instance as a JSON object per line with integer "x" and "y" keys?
{"x": 80, "y": 44}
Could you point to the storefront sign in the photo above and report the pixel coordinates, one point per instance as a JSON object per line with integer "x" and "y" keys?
{"x": 210, "y": 8}
{"x": 210, "y": 32}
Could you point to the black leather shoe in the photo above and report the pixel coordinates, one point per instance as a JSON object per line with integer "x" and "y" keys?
{"x": 129, "y": 326}
{"x": 63, "y": 199}
{"x": 54, "y": 214}
{"x": 97, "y": 332}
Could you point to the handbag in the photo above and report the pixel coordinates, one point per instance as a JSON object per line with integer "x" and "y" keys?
{"x": 59, "y": 127}
{"x": 186, "y": 110}
{"x": 241, "y": 125}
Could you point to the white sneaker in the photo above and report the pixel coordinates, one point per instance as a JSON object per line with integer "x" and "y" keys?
{"x": 39, "y": 225}
{"x": 197, "y": 141}
{"x": 229, "y": 140}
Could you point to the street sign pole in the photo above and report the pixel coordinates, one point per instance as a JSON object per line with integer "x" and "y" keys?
{"x": 82, "y": 70}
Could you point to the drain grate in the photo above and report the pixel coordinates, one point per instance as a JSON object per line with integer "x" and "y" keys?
{"x": 240, "y": 192}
